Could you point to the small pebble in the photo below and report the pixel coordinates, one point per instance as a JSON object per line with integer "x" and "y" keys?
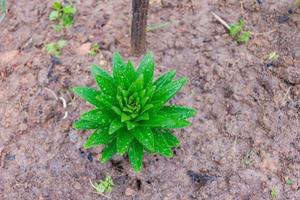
{"x": 90, "y": 157}
{"x": 282, "y": 19}
{"x": 129, "y": 192}
{"x": 10, "y": 157}
{"x": 290, "y": 11}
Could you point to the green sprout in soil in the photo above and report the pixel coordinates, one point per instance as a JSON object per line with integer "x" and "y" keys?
{"x": 63, "y": 15}
{"x": 54, "y": 48}
{"x": 131, "y": 115}
{"x": 289, "y": 181}
{"x": 95, "y": 49}
{"x": 237, "y": 32}
{"x": 273, "y": 56}
{"x": 274, "y": 193}
{"x": 104, "y": 186}
{"x": 3, "y": 10}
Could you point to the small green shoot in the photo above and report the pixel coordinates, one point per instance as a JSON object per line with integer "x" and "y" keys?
{"x": 63, "y": 15}
{"x": 54, "y": 48}
{"x": 237, "y": 32}
{"x": 3, "y": 10}
{"x": 104, "y": 186}
{"x": 273, "y": 56}
{"x": 289, "y": 181}
{"x": 274, "y": 192}
{"x": 247, "y": 158}
{"x": 95, "y": 49}
{"x": 298, "y": 1}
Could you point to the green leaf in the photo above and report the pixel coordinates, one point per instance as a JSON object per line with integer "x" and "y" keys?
{"x": 136, "y": 153}
{"x": 107, "y": 85}
{"x": 244, "y": 37}
{"x": 88, "y": 94}
{"x": 179, "y": 112}
{"x": 165, "y": 79}
{"x": 123, "y": 141}
{"x": 145, "y": 136}
{"x": 85, "y": 125}
{"x": 131, "y": 125}
{"x": 53, "y": 15}
{"x": 119, "y": 68}
{"x": 166, "y": 93}
{"x": 115, "y": 125}
{"x": 146, "y": 67}
{"x": 109, "y": 151}
{"x": 67, "y": 20}
{"x": 137, "y": 85}
{"x": 130, "y": 73}
{"x": 69, "y": 9}
{"x": 97, "y": 70}
{"x": 161, "y": 145}
{"x": 98, "y": 115}
{"x": 57, "y": 5}
{"x": 62, "y": 43}
{"x": 165, "y": 121}
{"x": 125, "y": 117}
{"x": 235, "y": 29}
{"x": 170, "y": 139}
{"x": 100, "y": 136}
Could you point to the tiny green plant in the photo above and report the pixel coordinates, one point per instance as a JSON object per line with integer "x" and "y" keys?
{"x": 289, "y": 181}
{"x": 3, "y": 10}
{"x": 132, "y": 115}
{"x": 54, "y": 48}
{"x": 63, "y": 15}
{"x": 273, "y": 56}
{"x": 274, "y": 192}
{"x": 104, "y": 186}
{"x": 237, "y": 32}
{"x": 95, "y": 49}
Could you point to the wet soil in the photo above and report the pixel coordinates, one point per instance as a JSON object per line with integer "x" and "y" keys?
{"x": 244, "y": 141}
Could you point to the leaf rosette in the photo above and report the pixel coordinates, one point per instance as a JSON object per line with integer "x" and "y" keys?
{"x": 132, "y": 114}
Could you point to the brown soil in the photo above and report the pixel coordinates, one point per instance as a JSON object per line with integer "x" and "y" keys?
{"x": 244, "y": 141}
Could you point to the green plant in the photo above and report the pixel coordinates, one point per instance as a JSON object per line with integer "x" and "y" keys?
{"x": 274, "y": 193}
{"x": 131, "y": 115}
{"x": 54, "y": 48}
{"x": 95, "y": 49}
{"x": 289, "y": 181}
{"x": 63, "y": 15}
{"x": 104, "y": 186}
{"x": 236, "y": 32}
{"x": 273, "y": 56}
{"x": 3, "y": 10}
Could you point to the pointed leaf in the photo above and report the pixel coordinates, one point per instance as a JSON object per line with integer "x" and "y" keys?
{"x": 96, "y": 70}
{"x": 146, "y": 67}
{"x": 100, "y": 136}
{"x": 136, "y": 153}
{"x": 161, "y": 145}
{"x": 109, "y": 151}
{"x": 98, "y": 115}
{"x": 170, "y": 139}
{"x": 166, "y": 93}
{"x": 115, "y": 125}
{"x": 123, "y": 141}
{"x": 165, "y": 79}
{"x": 131, "y": 125}
{"x": 145, "y": 136}
{"x": 88, "y": 94}
{"x": 180, "y": 112}
{"x": 107, "y": 85}
{"x": 131, "y": 74}
{"x": 165, "y": 121}
{"x": 119, "y": 68}
{"x": 85, "y": 125}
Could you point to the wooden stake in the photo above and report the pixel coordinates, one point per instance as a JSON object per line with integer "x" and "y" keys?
{"x": 139, "y": 26}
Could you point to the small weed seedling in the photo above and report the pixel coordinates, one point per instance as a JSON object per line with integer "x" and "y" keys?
{"x": 104, "y": 186}
{"x": 236, "y": 32}
{"x": 95, "y": 49}
{"x": 273, "y": 56}
{"x": 63, "y": 15}
{"x": 289, "y": 181}
{"x": 3, "y": 10}
{"x": 274, "y": 192}
{"x": 131, "y": 115}
{"x": 54, "y": 48}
